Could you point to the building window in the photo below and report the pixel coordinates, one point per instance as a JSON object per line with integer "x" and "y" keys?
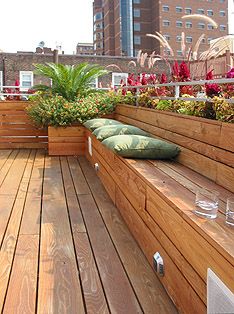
{"x": 209, "y": 39}
{"x": 221, "y": 1}
{"x": 179, "y": 24}
{"x": 1, "y": 80}
{"x": 98, "y": 16}
{"x": 200, "y": 11}
{"x": 137, "y": 40}
{"x": 203, "y": 41}
{"x": 179, "y": 9}
{"x": 166, "y": 23}
{"x": 178, "y": 38}
{"x": 118, "y": 78}
{"x": 189, "y": 39}
{"x": 136, "y": 1}
{"x": 26, "y": 80}
{"x": 210, "y": 27}
{"x": 137, "y": 27}
{"x": 188, "y": 10}
{"x": 98, "y": 26}
{"x": 94, "y": 83}
{"x": 188, "y": 25}
{"x": 200, "y": 25}
{"x": 222, "y": 13}
{"x": 179, "y": 53}
{"x": 165, "y": 8}
{"x": 137, "y": 12}
{"x": 167, "y": 37}
{"x": 222, "y": 27}
{"x": 210, "y": 12}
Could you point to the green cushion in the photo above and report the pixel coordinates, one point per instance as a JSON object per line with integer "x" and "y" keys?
{"x": 137, "y": 146}
{"x": 110, "y": 130}
{"x": 97, "y": 123}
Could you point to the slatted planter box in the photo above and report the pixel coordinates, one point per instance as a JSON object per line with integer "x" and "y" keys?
{"x": 65, "y": 141}
{"x": 17, "y": 130}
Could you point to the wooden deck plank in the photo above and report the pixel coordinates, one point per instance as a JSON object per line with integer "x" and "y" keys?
{"x": 75, "y": 214}
{"x": 4, "y": 154}
{"x": 119, "y": 293}
{"x": 59, "y": 288}
{"x": 10, "y": 238}
{"x": 93, "y": 293}
{"x": 80, "y": 183}
{"x": 31, "y": 216}
{"x": 149, "y": 290}
{"x": 7, "y": 165}
{"x": 21, "y": 294}
{"x": 10, "y": 188}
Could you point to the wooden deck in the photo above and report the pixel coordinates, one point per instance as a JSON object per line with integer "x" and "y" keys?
{"x": 64, "y": 245}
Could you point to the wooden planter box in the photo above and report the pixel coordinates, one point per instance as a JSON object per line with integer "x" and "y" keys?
{"x": 207, "y": 146}
{"x": 65, "y": 141}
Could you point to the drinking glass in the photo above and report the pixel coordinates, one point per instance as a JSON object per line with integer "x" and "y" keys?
{"x": 207, "y": 203}
{"x": 230, "y": 211}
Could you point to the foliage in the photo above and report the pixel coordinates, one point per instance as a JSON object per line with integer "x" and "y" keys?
{"x": 57, "y": 111}
{"x": 69, "y": 81}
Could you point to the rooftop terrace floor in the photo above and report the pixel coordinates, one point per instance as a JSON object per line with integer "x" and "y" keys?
{"x": 64, "y": 246}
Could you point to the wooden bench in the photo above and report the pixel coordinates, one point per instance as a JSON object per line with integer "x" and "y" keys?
{"x": 156, "y": 199}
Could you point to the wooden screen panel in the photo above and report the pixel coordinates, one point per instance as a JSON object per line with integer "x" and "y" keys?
{"x": 17, "y": 130}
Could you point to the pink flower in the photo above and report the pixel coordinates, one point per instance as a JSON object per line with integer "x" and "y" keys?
{"x": 230, "y": 74}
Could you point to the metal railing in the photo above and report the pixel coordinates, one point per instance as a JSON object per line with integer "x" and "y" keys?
{"x": 177, "y": 86}
{"x": 14, "y": 90}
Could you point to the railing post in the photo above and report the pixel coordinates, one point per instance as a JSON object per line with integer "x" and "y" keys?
{"x": 137, "y": 95}
{"x": 177, "y": 91}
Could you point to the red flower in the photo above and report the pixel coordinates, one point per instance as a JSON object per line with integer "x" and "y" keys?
{"x": 209, "y": 75}
{"x": 163, "y": 78}
{"x": 184, "y": 72}
{"x": 175, "y": 70}
{"x": 212, "y": 90}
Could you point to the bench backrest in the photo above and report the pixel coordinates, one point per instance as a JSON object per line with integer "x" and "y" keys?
{"x": 207, "y": 146}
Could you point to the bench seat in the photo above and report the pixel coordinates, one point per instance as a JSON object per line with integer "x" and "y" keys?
{"x": 156, "y": 199}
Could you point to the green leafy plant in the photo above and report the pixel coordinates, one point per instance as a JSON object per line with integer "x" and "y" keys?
{"x": 57, "y": 111}
{"x": 69, "y": 81}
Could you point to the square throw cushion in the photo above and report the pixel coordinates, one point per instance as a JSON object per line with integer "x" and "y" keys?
{"x": 110, "y": 130}
{"x": 97, "y": 123}
{"x": 137, "y": 146}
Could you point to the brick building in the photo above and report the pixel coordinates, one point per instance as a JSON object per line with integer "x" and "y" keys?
{"x": 120, "y": 26}
{"x": 19, "y": 66}
{"x": 84, "y": 49}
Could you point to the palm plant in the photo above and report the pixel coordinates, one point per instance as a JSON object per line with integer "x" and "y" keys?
{"x": 69, "y": 81}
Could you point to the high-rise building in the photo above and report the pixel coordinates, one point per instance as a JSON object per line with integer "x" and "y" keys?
{"x": 120, "y": 26}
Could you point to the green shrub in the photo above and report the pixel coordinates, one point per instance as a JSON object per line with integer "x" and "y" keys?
{"x": 57, "y": 111}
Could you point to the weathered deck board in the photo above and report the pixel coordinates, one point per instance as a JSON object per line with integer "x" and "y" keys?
{"x": 64, "y": 246}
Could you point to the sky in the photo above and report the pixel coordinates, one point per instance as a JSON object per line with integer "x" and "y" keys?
{"x": 27, "y": 22}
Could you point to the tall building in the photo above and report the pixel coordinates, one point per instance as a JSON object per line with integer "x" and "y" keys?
{"x": 120, "y": 26}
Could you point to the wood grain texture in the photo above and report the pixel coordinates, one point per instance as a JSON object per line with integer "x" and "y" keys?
{"x": 21, "y": 294}
{"x": 149, "y": 290}
{"x": 119, "y": 293}
{"x": 74, "y": 211}
{"x": 59, "y": 286}
{"x": 70, "y": 131}
{"x": 80, "y": 184}
{"x": 8, "y": 244}
{"x": 176, "y": 285}
{"x": 66, "y": 149}
{"x": 92, "y": 288}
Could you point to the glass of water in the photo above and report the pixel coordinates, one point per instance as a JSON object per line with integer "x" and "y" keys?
{"x": 207, "y": 203}
{"x": 230, "y": 211}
